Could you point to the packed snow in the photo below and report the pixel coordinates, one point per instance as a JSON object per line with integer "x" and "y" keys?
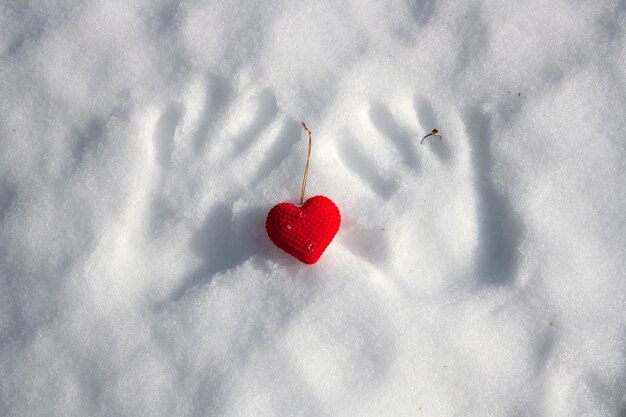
{"x": 142, "y": 143}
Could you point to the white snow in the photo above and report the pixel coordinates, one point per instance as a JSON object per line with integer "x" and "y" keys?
{"x": 142, "y": 143}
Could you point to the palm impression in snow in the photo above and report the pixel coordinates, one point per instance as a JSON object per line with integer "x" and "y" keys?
{"x": 304, "y": 232}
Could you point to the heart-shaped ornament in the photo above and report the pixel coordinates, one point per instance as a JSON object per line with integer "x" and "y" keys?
{"x": 304, "y": 232}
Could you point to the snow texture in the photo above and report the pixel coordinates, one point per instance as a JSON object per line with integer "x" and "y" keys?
{"x": 142, "y": 143}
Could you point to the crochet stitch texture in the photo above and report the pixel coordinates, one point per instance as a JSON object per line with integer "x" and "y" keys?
{"x": 304, "y": 232}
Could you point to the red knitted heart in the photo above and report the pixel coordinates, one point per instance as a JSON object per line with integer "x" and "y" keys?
{"x": 304, "y": 232}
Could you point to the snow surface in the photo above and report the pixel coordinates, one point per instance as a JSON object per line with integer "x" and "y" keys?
{"x": 142, "y": 143}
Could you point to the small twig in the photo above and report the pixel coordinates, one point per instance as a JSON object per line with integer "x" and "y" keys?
{"x": 433, "y": 132}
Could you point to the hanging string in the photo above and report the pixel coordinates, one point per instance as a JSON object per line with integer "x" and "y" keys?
{"x": 306, "y": 168}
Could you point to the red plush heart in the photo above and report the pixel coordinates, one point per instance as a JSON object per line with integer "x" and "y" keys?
{"x": 304, "y": 232}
